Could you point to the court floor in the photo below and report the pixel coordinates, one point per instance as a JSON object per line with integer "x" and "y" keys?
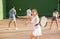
{"x": 25, "y": 28}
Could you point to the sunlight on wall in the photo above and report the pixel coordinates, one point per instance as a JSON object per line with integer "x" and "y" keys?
{"x": 1, "y": 10}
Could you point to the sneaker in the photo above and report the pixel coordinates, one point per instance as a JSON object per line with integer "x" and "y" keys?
{"x": 9, "y": 28}
{"x": 16, "y": 28}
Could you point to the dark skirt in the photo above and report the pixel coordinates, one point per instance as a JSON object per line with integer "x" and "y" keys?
{"x": 53, "y": 18}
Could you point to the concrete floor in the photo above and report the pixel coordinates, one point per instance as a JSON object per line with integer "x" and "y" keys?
{"x": 25, "y": 29}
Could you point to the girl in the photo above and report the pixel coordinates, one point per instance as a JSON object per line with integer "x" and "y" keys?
{"x": 37, "y": 28}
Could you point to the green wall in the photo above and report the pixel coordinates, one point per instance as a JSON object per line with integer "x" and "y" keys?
{"x": 44, "y": 7}
{"x": 1, "y": 9}
{"x": 59, "y": 7}
{"x": 4, "y": 9}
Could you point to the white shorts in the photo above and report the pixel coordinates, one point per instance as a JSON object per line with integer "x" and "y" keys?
{"x": 37, "y": 31}
{"x": 12, "y": 19}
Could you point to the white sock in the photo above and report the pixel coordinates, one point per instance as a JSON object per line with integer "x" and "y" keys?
{"x": 16, "y": 28}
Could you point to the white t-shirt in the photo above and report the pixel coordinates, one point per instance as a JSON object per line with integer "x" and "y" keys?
{"x": 35, "y": 20}
{"x": 56, "y": 14}
{"x": 29, "y": 12}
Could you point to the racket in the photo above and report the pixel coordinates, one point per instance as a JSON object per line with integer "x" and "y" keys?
{"x": 43, "y": 21}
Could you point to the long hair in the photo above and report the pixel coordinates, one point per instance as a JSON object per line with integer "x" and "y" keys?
{"x": 35, "y": 11}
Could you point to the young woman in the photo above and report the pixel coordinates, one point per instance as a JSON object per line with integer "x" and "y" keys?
{"x": 37, "y": 28}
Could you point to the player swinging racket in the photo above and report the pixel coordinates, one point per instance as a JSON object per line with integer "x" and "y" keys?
{"x": 37, "y": 28}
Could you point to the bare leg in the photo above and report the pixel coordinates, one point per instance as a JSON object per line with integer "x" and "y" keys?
{"x": 15, "y": 24}
{"x": 35, "y": 37}
{"x": 38, "y": 37}
{"x": 9, "y": 24}
{"x": 57, "y": 24}
{"x": 31, "y": 36}
{"x": 51, "y": 24}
